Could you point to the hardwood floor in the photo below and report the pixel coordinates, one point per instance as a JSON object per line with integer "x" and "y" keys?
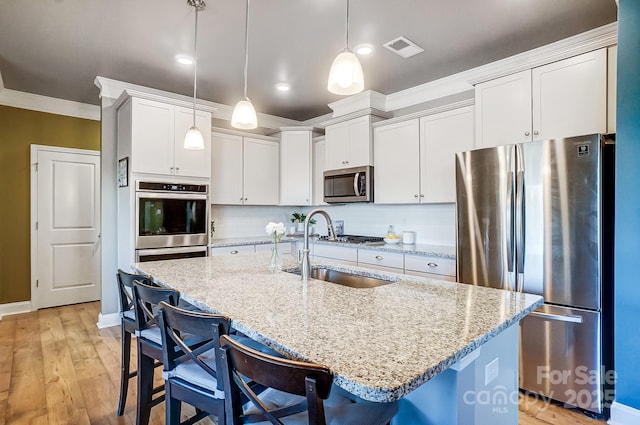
{"x": 57, "y": 367}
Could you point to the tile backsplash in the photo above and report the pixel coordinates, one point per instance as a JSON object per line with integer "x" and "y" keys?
{"x": 433, "y": 223}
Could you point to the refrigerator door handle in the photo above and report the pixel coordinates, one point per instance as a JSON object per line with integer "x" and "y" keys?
{"x": 510, "y": 216}
{"x": 558, "y": 317}
{"x": 520, "y": 226}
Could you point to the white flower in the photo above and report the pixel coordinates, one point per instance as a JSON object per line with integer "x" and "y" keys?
{"x": 276, "y": 230}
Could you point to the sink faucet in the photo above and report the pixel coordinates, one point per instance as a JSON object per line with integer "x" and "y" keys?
{"x": 305, "y": 267}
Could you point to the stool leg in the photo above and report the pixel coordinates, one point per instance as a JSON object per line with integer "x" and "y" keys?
{"x": 145, "y": 388}
{"x": 172, "y": 406}
{"x": 124, "y": 369}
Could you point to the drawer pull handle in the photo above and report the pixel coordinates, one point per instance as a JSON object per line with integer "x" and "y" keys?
{"x": 379, "y": 257}
{"x": 234, "y": 251}
{"x": 432, "y": 265}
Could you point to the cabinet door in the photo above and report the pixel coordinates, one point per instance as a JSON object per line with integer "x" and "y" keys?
{"x": 260, "y": 171}
{"x": 232, "y": 250}
{"x": 295, "y": 168}
{"x": 441, "y": 136}
{"x": 189, "y": 162}
{"x": 359, "y": 146}
{"x": 152, "y": 133}
{"x": 503, "y": 110}
{"x": 319, "y": 149}
{"x": 226, "y": 169}
{"x": 337, "y": 138}
{"x": 570, "y": 96}
{"x": 396, "y": 169}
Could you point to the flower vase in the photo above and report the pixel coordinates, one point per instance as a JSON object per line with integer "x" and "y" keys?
{"x": 275, "y": 265}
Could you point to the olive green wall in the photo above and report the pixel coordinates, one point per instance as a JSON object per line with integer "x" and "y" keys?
{"x": 20, "y": 128}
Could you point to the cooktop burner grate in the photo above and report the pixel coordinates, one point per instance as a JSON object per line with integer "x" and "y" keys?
{"x": 355, "y": 239}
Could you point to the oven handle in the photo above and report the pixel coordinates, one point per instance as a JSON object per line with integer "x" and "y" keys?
{"x": 170, "y": 195}
{"x": 178, "y": 250}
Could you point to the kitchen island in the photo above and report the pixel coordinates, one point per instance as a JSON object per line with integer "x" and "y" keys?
{"x": 381, "y": 343}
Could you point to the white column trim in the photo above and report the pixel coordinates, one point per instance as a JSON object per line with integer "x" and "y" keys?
{"x": 108, "y": 320}
{"x": 51, "y": 105}
{"x": 15, "y": 308}
{"x": 623, "y": 415}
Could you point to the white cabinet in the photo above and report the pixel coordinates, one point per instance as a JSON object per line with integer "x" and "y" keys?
{"x": 562, "y": 99}
{"x": 612, "y": 84}
{"x": 244, "y": 170}
{"x": 152, "y": 134}
{"x": 381, "y": 260}
{"x": 348, "y": 144}
{"x": 441, "y": 136}
{"x": 319, "y": 150}
{"x": 341, "y": 253}
{"x": 396, "y": 170}
{"x": 295, "y": 167}
{"x": 433, "y": 267}
{"x": 415, "y": 159}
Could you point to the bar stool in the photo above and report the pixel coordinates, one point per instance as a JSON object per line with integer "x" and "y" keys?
{"x": 297, "y": 391}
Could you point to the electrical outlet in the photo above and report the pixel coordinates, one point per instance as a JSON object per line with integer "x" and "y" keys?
{"x": 491, "y": 371}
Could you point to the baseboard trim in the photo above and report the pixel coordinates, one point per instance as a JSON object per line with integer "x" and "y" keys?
{"x": 108, "y": 320}
{"x": 623, "y": 415}
{"x": 15, "y": 308}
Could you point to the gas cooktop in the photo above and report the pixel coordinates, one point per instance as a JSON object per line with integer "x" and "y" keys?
{"x": 355, "y": 239}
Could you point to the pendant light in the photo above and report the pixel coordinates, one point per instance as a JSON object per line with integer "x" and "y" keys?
{"x": 193, "y": 139}
{"x": 244, "y": 114}
{"x": 345, "y": 75}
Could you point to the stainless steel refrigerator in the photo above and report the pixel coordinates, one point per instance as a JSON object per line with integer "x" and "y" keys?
{"x": 537, "y": 217}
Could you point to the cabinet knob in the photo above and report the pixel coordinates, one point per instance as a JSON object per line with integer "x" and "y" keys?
{"x": 421, "y": 195}
{"x": 233, "y": 252}
{"x": 432, "y": 265}
{"x": 415, "y": 196}
{"x": 177, "y": 169}
{"x": 535, "y": 133}
{"x": 379, "y": 257}
{"x": 526, "y": 133}
{"x": 346, "y": 162}
{"x": 171, "y": 168}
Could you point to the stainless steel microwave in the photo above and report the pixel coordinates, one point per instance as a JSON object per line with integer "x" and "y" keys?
{"x": 348, "y": 185}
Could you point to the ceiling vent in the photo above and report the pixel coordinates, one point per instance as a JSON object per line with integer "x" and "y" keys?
{"x": 403, "y": 47}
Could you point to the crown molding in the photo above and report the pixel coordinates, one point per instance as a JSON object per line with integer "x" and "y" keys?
{"x": 597, "y": 38}
{"x": 427, "y": 112}
{"x": 121, "y": 90}
{"x": 366, "y": 99}
{"x": 51, "y": 105}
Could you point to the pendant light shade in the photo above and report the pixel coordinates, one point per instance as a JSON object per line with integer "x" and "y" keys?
{"x": 193, "y": 139}
{"x": 345, "y": 75}
{"x": 244, "y": 114}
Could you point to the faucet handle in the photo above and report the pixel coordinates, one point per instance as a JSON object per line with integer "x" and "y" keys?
{"x": 331, "y": 232}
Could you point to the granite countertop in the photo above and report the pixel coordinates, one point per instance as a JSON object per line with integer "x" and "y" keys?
{"x": 442, "y": 251}
{"x": 381, "y": 343}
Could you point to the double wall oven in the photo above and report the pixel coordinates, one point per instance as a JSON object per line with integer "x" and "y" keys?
{"x": 171, "y": 221}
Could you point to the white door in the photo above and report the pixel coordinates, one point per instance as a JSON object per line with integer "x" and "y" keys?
{"x": 260, "y": 172}
{"x": 295, "y": 168}
{"x": 68, "y": 228}
{"x": 226, "y": 169}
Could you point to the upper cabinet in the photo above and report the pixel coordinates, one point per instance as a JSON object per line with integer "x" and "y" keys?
{"x": 152, "y": 134}
{"x": 244, "y": 170}
{"x": 348, "y": 144}
{"x": 561, "y": 99}
{"x": 295, "y": 167}
{"x": 414, "y": 159}
{"x": 319, "y": 157}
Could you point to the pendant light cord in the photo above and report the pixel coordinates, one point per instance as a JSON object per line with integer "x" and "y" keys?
{"x": 346, "y": 41}
{"x": 246, "y": 48}
{"x": 195, "y": 63}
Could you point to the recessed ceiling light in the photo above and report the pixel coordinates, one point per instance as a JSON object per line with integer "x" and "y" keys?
{"x": 364, "y": 49}
{"x": 283, "y": 87}
{"x": 184, "y": 59}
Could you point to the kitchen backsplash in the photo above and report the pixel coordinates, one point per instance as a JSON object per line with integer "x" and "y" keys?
{"x": 434, "y": 223}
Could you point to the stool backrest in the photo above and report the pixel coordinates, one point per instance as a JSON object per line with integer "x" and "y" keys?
{"x": 180, "y": 327}
{"x": 310, "y": 380}
{"x": 146, "y": 299}
{"x": 125, "y": 287}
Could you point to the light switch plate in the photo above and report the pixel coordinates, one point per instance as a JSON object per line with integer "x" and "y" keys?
{"x": 491, "y": 371}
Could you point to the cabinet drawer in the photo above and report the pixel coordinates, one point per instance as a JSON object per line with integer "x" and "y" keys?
{"x": 335, "y": 252}
{"x": 381, "y": 258}
{"x": 432, "y": 265}
{"x": 232, "y": 250}
{"x": 260, "y": 247}
{"x": 431, "y": 275}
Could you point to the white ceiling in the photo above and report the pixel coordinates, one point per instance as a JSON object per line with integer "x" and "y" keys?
{"x": 57, "y": 47}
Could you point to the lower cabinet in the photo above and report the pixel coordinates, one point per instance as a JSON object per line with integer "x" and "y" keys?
{"x": 433, "y": 267}
{"x": 232, "y": 250}
{"x": 341, "y": 253}
{"x": 381, "y": 260}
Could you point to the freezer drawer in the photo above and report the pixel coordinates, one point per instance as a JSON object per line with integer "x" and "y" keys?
{"x": 561, "y": 358}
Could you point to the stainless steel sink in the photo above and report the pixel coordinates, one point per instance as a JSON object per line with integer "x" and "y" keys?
{"x": 346, "y": 279}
